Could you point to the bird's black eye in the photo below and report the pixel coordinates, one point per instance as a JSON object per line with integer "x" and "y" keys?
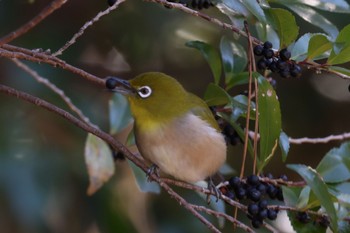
{"x": 144, "y": 91}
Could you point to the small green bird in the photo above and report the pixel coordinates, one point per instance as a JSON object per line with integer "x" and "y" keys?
{"x": 174, "y": 129}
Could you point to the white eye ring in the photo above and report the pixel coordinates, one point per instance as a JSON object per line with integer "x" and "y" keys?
{"x": 144, "y": 91}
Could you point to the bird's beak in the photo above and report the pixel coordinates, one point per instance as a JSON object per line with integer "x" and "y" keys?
{"x": 119, "y": 85}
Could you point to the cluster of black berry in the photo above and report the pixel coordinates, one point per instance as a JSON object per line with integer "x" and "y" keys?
{"x": 304, "y": 217}
{"x": 278, "y": 63}
{"x": 256, "y": 192}
{"x": 195, "y": 4}
{"x": 231, "y": 135}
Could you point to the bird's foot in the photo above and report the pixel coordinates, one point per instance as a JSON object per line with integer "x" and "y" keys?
{"x": 152, "y": 170}
{"x": 213, "y": 189}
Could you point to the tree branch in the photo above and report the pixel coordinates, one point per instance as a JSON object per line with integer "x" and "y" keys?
{"x": 54, "y": 5}
{"x": 216, "y": 21}
{"x": 10, "y": 51}
{"x": 86, "y": 25}
{"x": 339, "y": 137}
{"x": 116, "y": 145}
{"x": 54, "y": 88}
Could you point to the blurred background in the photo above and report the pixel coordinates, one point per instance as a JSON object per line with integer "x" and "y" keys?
{"x": 43, "y": 177}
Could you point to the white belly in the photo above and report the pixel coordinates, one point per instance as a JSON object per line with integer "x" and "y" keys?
{"x": 187, "y": 149}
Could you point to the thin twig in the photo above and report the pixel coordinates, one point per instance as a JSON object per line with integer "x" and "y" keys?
{"x": 25, "y": 54}
{"x": 323, "y": 67}
{"x": 252, "y": 68}
{"x": 54, "y": 5}
{"x": 204, "y": 16}
{"x": 116, "y": 145}
{"x": 85, "y": 26}
{"x": 223, "y": 215}
{"x": 339, "y": 137}
{"x": 54, "y": 88}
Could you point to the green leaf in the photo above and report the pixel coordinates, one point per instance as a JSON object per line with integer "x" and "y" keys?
{"x": 304, "y": 198}
{"x": 237, "y": 79}
{"x": 227, "y": 58}
{"x": 142, "y": 181}
{"x": 291, "y": 195}
{"x": 240, "y": 107}
{"x": 319, "y": 188}
{"x": 99, "y": 162}
{"x": 341, "y": 48}
{"x": 254, "y": 7}
{"x": 313, "y": 17}
{"x": 342, "y": 57}
{"x": 269, "y": 121}
{"x": 338, "y": 6}
{"x": 211, "y": 55}
{"x": 215, "y": 95}
{"x": 284, "y": 23}
{"x": 284, "y": 145}
{"x": 299, "y": 48}
{"x": 335, "y": 166}
{"x": 267, "y": 33}
{"x": 119, "y": 113}
{"x": 240, "y": 57}
{"x": 318, "y": 45}
{"x": 340, "y": 70}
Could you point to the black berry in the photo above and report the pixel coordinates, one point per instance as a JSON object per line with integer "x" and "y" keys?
{"x": 258, "y": 50}
{"x": 111, "y": 2}
{"x": 323, "y": 221}
{"x": 267, "y": 45}
{"x": 284, "y": 177}
{"x": 269, "y": 176}
{"x": 285, "y": 55}
{"x": 262, "y": 188}
{"x": 230, "y": 195}
{"x": 253, "y": 209}
{"x": 279, "y": 194}
{"x": 235, "y": 182}
{"x": 254, "y": 194}
{"x": 303, "y": 217}
{"x": 262, "y": 214}
{"x": 268, "y": 53}
{"x": 271, "y": 214}
{"x": 262, "y": 64}
{"x": 281, "y": 65}
{"x": 295, "y": 71}
{"x": 272, "y": 191}
{"x": 273, "y": 66}
{"x": 256, "y": 223}
{"x": 263, "y": 204}
{"x": 285, "y": 73}
{"x": 253, "y": 180}
{"x": 240, "y": 193}
{"x": 111, "y": 83}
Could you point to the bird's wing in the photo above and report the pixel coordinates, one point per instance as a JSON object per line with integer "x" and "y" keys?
{"x": 201, "y": 109}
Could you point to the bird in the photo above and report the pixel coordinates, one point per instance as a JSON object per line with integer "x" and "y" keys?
{"x": 175, "y": 131}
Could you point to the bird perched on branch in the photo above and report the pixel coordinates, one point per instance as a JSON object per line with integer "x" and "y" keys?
{"x": 174, "y": 129}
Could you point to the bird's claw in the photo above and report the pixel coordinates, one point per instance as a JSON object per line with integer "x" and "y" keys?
{"x": 213, "y": 189}
{"x": 152, "y": 170}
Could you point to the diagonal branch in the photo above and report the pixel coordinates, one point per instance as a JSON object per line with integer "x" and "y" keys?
{"x": 10, "y": 51}
{"x": 116, "y": 145}
{"x": 199, "y": 14}
{"x": 54, "y": 88}
{"x": 85, "y": 26}
{"x": 32, "y": 23}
